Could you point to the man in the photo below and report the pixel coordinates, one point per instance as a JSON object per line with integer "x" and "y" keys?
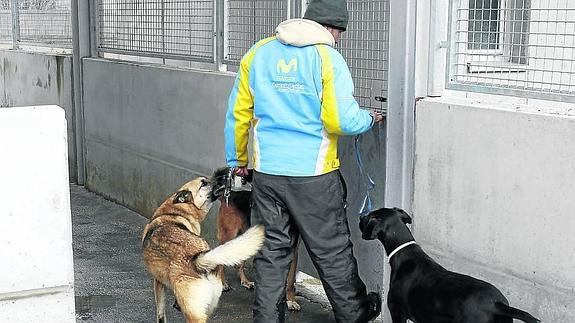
{"x": 296, "y": 92}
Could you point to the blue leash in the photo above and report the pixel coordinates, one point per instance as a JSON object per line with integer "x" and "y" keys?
{"x": 366, "y": 206}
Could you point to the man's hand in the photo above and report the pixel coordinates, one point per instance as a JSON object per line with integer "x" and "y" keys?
{"x": 377, "y": 117}
{"x": 241, "y": 171}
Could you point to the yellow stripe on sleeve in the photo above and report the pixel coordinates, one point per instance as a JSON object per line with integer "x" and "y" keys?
{"x": 329, "y": 110}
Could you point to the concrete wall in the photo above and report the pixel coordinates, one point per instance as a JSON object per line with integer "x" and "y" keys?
{"x": 36, "y": 241}
{"x": 493, "y": 198}
{"x": 151, "y": 128}
{"x": 36, "y": 79}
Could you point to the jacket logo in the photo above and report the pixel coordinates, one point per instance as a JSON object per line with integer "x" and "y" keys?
{"x": 283, "y": 67}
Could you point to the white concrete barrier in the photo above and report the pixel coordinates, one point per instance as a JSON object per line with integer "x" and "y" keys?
{"x": 36, "y": 271}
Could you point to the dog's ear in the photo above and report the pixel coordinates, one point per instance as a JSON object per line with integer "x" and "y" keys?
{"x": 363, "y": 222}
{"x": 218, "y": 180}
{"x": 183, "y": 196}
{"x": 405, "y": 218}
{"x": 220, "y": 174}
{"x": 370, "y": 228}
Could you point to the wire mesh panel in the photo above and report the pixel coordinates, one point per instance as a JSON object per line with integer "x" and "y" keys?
{"x": 46, "y": 22}
{"x": 41, "y": 22}
{"x": 5, "y": 22}
{"x": 247, "y": 21}
{"x": 520, "y": 47}
{"x": 365, "y": 46}
{"x": 180, "y": 29}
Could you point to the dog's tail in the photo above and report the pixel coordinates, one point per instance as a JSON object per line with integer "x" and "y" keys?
{"x": 506, "y": 310}
{"x": 234, "y": 251}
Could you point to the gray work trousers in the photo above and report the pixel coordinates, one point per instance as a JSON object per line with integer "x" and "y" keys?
{"x": 313, "y": 208}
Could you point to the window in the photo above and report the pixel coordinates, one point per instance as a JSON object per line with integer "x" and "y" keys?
{"x": 497, "y": 32}
{"x": 484, "y": 24}
{"x": 513, "y": 47}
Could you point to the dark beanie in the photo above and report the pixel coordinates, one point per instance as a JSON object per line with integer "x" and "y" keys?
{"x": 331, "y": 13}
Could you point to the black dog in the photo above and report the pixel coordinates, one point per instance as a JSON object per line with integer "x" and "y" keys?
{"x": 423, "y": 291}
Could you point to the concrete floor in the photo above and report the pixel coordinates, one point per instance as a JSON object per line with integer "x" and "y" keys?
{"x": 111, "y": 282}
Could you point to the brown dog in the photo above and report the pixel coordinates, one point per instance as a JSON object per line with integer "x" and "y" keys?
{"x": 179, "y": 258}
{"x": 234, "y": 219}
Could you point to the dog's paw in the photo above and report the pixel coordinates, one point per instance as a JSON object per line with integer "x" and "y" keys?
{"x": 249, "y": 285}
{"x": 293, "y": 306}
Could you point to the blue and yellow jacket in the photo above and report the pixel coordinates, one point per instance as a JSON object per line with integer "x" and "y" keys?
{"x": 296, "y": 93}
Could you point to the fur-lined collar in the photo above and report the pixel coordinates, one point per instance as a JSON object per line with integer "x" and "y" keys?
{"x": 303, "y": 32}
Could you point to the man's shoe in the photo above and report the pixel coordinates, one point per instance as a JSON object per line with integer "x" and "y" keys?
{"x": 374, "y": 306}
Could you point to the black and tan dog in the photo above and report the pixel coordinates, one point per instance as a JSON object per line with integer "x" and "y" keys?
{"x": 179, "y": 258}
{"x": 423, "y": 291}
{"x": 233, "y": 219}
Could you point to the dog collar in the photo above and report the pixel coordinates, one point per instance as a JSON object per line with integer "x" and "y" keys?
{"x": 398, "y": 249}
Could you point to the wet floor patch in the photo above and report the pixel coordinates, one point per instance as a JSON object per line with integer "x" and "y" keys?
{"x": 85, "y": 305}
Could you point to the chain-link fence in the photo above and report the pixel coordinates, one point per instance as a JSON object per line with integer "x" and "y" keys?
{"x": 39, "y": 22}
{"x": 521, "y": 47}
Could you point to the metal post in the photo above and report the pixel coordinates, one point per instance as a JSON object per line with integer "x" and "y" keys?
{"x": 424, "y": 34}
{"x": 220, "y": 34}
{"x": 254, "y": 38}
{"x": 163, "y": 26}
{"x": 225, "y": 31}
{"x": 296, "y": 10}
{"x": 94, "y": 26}
{"x": 437, "y": 47}
{"x": 401, "y": 111}
{"x": 15, "y": 23}
{"x": 401, "y": 108}
{"x": 303, "y": 7}
{"x": 81, "y": 49}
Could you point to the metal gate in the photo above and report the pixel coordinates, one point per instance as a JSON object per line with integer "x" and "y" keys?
{"x": 365, "y": 45}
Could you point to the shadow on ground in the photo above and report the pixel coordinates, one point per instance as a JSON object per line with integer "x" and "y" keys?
{"x": 111, "y": 283}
